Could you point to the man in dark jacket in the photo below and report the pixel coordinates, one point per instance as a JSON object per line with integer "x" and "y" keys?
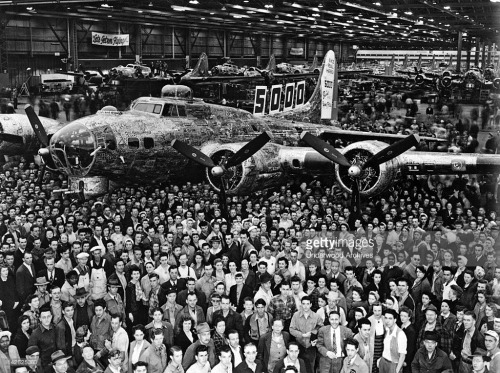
{"x": 238, "y": 292}
{"x": 291, "y": 359}
{"x": 429, "y": 358}
{"x": 65, "y": 329}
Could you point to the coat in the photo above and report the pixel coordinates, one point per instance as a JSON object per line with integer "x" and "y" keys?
{"x": 5, "y": 361}
{"x": 63, "y": 336}
{"x": 25, "y": 282}
{"x": 246, "y": 291}
{"x": 145, "y": 346}
{"x": 361, "y": 350}
{"x": 358, "y": 366}
{"x": 280, "y": 365}
{"x": 440, "y": 362}
{"x": 200, "y": 315}
{"x": 264, "y": 348}
{"x": 157, "y": 362}
{"x": 58, "y": 279}
{"x": 168, "y": 333}
{"x": 324, "y": 345}
{"x": 189, "y": 356}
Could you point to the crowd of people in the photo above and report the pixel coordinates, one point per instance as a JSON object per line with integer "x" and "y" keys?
{"x": 155, "y": 280}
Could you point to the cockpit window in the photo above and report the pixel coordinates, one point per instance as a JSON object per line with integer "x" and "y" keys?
{"x": 133, "y": 142}
{"x": 170, "y": 110}
{"x": 148, "y": 107}
{"x": 72, "y": 148}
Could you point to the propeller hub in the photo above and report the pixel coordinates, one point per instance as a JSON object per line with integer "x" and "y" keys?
{"x": 43, "y": 152}
{"x": 354, "y": 171}
{"x": 217, "y": 171}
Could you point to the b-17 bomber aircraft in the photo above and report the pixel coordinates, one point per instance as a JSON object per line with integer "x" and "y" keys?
{"x": 237, "y": 151}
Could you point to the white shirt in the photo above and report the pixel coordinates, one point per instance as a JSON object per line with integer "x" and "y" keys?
{"x": 271, "y": 264}
{"x": 237, "y": 355}
{"x": 164, "y": 275}
{"x": 287, "y": 362}
{"x": 186, "y": 272}
{"x": 401, "y": 341}
{"x": 297, "y": 269}
{"x": 136, "y": 353}
{"x": 197, "y": 368}
{"x": 29, "y": 269}
{"x": 447, "y": 288}
{"x": 219, "y": 368}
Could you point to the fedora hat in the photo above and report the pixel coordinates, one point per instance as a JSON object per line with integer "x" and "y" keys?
{"x": 42, "y": 280}
{"x": 80, "y": 293}
{"x": 58, "y": 355}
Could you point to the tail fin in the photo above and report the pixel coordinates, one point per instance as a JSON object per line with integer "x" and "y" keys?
{"x": 451, "y": 60}
{"x": 311, "y": 111}
{"x": 314, "y": 65}
{"x": 433, "y": 62}
{"x": 201, "y": 68}
{"x": 405, "y": 62}
{"x": 271, "y": 65}
{"x": 419, "y": 63}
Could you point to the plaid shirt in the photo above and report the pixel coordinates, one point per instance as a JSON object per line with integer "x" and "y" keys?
{"x": 219, "y": 341}
{"x": 445, "y": 341}
{"x": 34, "y": 318}
{"x": 279, "y": 309}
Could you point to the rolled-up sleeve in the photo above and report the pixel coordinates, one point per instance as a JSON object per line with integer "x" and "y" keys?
{"x": 402, "y": 343}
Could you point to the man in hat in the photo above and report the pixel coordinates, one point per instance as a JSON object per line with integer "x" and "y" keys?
{"x": 82, "y": 271}
{"x": 432, "y": 323}
{"x": 429, "y": 358}
{"x": 491, "y": 339}
{"x": 84, "y": 311}
{"x": 60, "y": 362}
{"x": 204, "y": 339}
{"x": 479, "y": 359}
{"x": 264, "y": 291}
{"x": 114, "y": 302}
{"x": 34, "y": 364}
{"x": 8, "y": 352}
{"x": 41, "y": 290}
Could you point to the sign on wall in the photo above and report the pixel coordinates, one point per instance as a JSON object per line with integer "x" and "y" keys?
{"x": 110, "y": 40}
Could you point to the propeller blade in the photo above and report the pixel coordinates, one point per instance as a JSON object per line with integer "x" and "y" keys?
{"x": 355, "y": 197}
{"x": 392, "y": 151}
{"x": 223, "y": 202}
{"x": 37, "y": 126}
{"x": 41, "y": 174}
{"x": 192, "y": 153}
{"x": 248, "y": 150}
{"x": 14, "y": 139}
{"x": 325, "y": 149}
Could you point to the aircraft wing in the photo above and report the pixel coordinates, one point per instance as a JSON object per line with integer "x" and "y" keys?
{"x": 200, "y": 80}
{"x": 355, "y": 136}
{"x": 389, "y": 77}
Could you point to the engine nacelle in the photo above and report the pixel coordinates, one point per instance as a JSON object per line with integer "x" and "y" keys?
{"x": 261, "y": 171}
{"x": 373, "y": 180}
{"x": 496, "y": 83}
{"x": 446, "y": 81}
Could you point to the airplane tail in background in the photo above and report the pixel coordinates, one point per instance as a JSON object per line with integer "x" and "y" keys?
{"x": 310, "y": 112}
{"x": 391, "y": 65}
{"x": 201, "y": 68}
{"x": 271, "y": 65}
{"x": 450, "y": 62}
{"x": 419, "y": 63}
{"x": 433, "y": 62}
{"x": 405, "y": 62}
{"x": 314, "y": 65}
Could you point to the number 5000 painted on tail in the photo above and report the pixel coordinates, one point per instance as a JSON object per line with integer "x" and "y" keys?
{"x": 282, "y": 97}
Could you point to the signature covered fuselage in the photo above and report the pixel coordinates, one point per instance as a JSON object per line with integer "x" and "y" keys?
{"x": 135, "y": 146}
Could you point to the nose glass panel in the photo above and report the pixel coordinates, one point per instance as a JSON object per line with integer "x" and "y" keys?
{"x": 71, "y": 149}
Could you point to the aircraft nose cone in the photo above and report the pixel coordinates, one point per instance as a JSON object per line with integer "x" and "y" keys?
{"x": 217, "y": 171}
{"x": 354, "y": 171}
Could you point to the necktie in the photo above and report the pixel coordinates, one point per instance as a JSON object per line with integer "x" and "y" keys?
{"x": 334, "y": 343}
{"x": 51, "y": 277}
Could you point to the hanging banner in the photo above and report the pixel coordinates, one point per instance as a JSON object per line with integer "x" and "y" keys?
{"x": 327, "y": 85}
{"x": 110, "y": 40}
{"x": 296, "y": 51}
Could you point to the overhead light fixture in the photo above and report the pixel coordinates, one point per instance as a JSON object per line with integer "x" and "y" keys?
{"x": 320, "y": 5}
{"x": 29, "y": 8}
{"x": 223, "y": 8}
{"x": 377, "y": 4}
{"x": 268, "y": 6}
{"x": 105, "y": 5}
{"x": 150, "y": 3}
{"x": 447, "y": 7}
{"x": 194, "y": 2}
{"x": 409, "y": 13}
{"x": 139, "y": 11}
